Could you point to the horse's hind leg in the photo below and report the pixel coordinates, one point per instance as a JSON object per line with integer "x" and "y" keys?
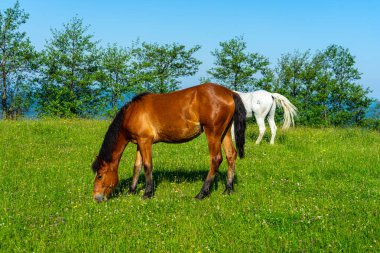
{"x": 136, "y": 172}
{"x": 260, "y": 122}
{"x": 272, "y": 123}
{"x": 230, "y": 151}
{"x": 214, "y": 146}
{"x": 146, "y": 153}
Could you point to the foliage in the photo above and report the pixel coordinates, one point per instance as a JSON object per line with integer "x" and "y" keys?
{"x": 17, "y": 63}
{"x": 237, "y": 69}
{"x": 348, "y": 100}
{"x": 296, "y": 78}
{"x": 115, "y": 76}
{"x": 72, "y": 77}
{"x": 372, "y": 120}
{"x": 316, "y": 190}
{"x": 157, "y": 67}
{"x": 69, "y": 73}
{"x": 324, "y": 87}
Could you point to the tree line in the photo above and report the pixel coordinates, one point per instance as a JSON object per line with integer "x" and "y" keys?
{"x": 73, "y": 76}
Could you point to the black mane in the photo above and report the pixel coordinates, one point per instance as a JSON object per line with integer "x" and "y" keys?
{"x": 138, "y": 97}
{"x": 109, "y": 142}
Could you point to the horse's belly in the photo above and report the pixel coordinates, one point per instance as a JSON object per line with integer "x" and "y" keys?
{"x": 180, "y": 133}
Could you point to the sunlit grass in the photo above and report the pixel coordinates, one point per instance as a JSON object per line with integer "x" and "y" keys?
{"x": 314, "y": 190}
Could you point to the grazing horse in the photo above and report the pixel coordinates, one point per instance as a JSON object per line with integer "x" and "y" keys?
{"x": 262, "y": 104}
{"x": 172, "y": 118}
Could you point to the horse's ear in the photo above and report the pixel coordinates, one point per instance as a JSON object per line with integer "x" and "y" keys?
{"x": 97, "y": 164}
{"x": 102, "y": 162}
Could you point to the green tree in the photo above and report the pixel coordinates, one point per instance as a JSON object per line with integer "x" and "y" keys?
{"x": 17, "y": 63}
{"x": 115, "y": 75}
{"x": 291, "y": 71}
{"x": 157, "y": 68}
{"x": 348, "y": 100}
{"x": 237, "y": 69}
{"x": 69, "y": 80}
{"x": 324, "y": 87}
{"x": 296, "y": 75}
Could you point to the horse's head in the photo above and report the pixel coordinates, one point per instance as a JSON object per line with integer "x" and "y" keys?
{"x": 106, "y": 179}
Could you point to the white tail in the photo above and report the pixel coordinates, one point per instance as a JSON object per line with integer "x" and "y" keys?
{"x": 290, "y": 111}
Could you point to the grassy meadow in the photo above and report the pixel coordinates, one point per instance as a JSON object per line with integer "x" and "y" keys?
{"x": 314, "y": 190}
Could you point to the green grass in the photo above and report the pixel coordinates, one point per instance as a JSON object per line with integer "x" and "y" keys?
{"x": 315, "y": 190}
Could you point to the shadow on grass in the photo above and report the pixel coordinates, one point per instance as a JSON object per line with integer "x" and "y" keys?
{"x": 178, "y": 176}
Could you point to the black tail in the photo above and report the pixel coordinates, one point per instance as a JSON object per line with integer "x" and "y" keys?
{"x": 240, "y": 124}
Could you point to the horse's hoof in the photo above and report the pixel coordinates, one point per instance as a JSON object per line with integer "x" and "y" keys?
{"x": 202, "y": 195}
{"x": 148, "y": 195}
{"x": 228, "y": 191}
{"x": 132, "y": 192}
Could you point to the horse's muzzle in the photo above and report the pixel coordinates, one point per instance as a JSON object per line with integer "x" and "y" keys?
{"x": 99, "y": 197}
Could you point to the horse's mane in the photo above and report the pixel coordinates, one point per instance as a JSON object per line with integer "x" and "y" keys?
{"x": 110, "y": 139}
{"x": 138, "y": 97}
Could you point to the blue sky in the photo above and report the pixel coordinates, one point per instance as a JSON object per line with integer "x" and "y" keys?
{"x": 271, "y": 28}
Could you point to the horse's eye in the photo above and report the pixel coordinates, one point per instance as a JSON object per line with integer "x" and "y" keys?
{"x": 99, "y": 177}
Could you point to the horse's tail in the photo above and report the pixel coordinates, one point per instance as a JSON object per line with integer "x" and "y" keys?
{"x": 290, "y": 111}
{"x": 239, "y": 119}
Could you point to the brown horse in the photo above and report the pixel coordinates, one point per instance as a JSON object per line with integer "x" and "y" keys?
{"x": 173, "y": 118}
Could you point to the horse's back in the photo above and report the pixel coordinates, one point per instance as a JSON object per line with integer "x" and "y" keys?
{"x": 216, "y": 103}
{"x": 179, "y": 116}
{"x": 257, "y": 102}
{"x": 262, "y": 102}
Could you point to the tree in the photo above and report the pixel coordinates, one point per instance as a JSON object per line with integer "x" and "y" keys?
{"x": 291, "y": 71}
{"x": 115, "y": 75}
{"x": 158, "y": 67}
{"x": 237, "y": 69}
{"x": 324, "y": 87}
{"x": 348, "y": 100}
{"x": 69, "y": 80}
{"x": 17, "y": 63}
{"x": 295, "y": 78}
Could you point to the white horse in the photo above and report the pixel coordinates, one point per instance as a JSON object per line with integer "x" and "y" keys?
{"x": 262, "y": 104}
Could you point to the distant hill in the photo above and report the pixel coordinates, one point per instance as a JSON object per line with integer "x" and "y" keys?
{"x": 374, "y": 110}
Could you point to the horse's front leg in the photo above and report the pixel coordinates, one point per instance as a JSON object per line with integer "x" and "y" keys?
{"x": 215, "y": 160}
{"x": 145, "y": 147}
{"x": 136, "y": 172}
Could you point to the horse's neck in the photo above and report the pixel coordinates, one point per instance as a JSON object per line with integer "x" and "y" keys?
{"x": 119, "y": 149}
